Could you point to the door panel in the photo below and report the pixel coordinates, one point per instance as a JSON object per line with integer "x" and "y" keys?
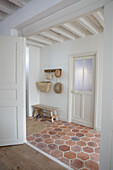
{"x": 88, "y": 108}
{"x": 8, "y": 63}
{"x": 9, "y": 116}
{"x": 77, "y": 103}
{"x": 12, "y": 92}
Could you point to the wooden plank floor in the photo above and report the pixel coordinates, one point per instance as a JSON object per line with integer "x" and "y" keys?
{"x": 23, "y": 157}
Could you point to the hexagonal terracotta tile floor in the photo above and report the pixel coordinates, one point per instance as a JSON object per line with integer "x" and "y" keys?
{"x": 75, "y": 145}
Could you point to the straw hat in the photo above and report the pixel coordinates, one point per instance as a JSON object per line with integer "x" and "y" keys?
{"x": 58, "y": 88}
{"x": 57, "y": 73}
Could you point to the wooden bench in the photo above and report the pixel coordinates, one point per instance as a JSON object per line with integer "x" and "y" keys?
{"x": 40, "y": 108}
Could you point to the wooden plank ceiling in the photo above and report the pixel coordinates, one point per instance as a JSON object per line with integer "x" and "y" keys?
{"x": 9, "y": 7}
{"x": 81, "y": 27}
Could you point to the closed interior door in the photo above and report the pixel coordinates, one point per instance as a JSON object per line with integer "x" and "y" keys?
{"x": 12, "y": 87}
{"x": 83, "y": 91}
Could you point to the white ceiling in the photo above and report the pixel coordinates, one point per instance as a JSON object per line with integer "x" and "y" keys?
{"x": 80, "y": 27}
{"x": 9, "y": 7}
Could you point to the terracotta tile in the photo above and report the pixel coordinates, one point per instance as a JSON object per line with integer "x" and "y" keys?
{"x": 49, "y": 129}
{"x": 83, "y": 156}
{"x": 76, "y": 148}
{"x": 64, "y": 160}
{"x": 70, "y": 155}
{"x": 41, "y": 145}
{"x": 64, "y": 148}
{"x": 82, "y": 126}
{"x": 81, "y": 143}
{"x": 57, "y": 153}
{"x": 75, "y": 130}
{"x": 55, "y": 137}
{"x": 46, "y": 150}
{"x": 67, "y": 130}
{"x": 98, "y": 135}
{"x": 64, "y": 122}
{"x": 86, "y": 139}
{"x": 63, "y": 127}
{"x": 39, "y": 140}
{"x": 44, "y": 132}
{"x": 79, "y": 134}
{"x": 72, "y": 150}
{"x": 78, "y": 127}
{"x": 43, "y": 120}
{"x": 49, "y": 125}
{"x": 58, "y": 129}
{"x": 92, "y": 144}
{"x": 59, "y": 123}
{"x": 45, "y": 136}
{"x": 89, "y": 135}
{"x": 52, "y": 132}
{"x": 68, "y": 124}
{"x": 55, "y": 126}
{"x": 84, "y": 131}
{"x": 71, "y": 134}
{"x": 76, "y": 124}
{"x": 70, "y": 142}
{"x": 61, "y": 133}
{"x": 97, "y": 150}
{"x": 48, "y": 141}
{"x": 30, "y": 138}
{"x": 76, "y": 163}
{"x": 37, "y": 135}
{"x": 65, "y": 137}
{"x": 75, "y": 138}
{"x": 95, "y": 140}
{"x": 87, "y": 128}
{"x": 71, "y": 127}
{"x": 92, "y": 165}
{"x": 59, "y": 142}
{"x": 95, "y": 157}
{"x": 93, "y": 131}
{"x": 88, "y": 149}
{"x": 52, "y": 147}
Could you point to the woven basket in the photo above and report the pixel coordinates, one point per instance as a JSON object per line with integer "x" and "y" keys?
{"x": 44, "y": 86}
{"x": 58, "y": 88}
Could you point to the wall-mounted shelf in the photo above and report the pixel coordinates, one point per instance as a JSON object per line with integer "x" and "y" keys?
{"x": 57, "y": 72}
{"x": 52, "y": 70}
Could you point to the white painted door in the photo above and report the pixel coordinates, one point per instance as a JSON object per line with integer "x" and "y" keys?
{"x": 83, "y": 91}
{"x": 12, "y": 91}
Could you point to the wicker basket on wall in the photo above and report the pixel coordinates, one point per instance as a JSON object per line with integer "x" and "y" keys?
{"x": 44, "y": 86}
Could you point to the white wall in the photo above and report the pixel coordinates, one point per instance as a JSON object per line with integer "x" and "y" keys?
{"x": 57, "y": 56}
{"x": 34, "y": 76}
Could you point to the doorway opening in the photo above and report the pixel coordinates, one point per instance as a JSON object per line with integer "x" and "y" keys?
{"x": 83, "y": 90}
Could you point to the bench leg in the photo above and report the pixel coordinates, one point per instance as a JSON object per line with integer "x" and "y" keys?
{"x": 56, "y": 115}
{"x": 52, "y": 119}
{"x": 35, "y": 113}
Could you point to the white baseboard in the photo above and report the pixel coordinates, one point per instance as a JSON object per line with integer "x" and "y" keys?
{"x": 81, "y": 122}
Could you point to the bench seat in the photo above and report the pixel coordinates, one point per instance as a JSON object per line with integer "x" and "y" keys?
{"x": 40, "y": 108}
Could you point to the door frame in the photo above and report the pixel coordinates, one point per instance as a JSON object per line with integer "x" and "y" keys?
{"x": 96, "y": 83}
